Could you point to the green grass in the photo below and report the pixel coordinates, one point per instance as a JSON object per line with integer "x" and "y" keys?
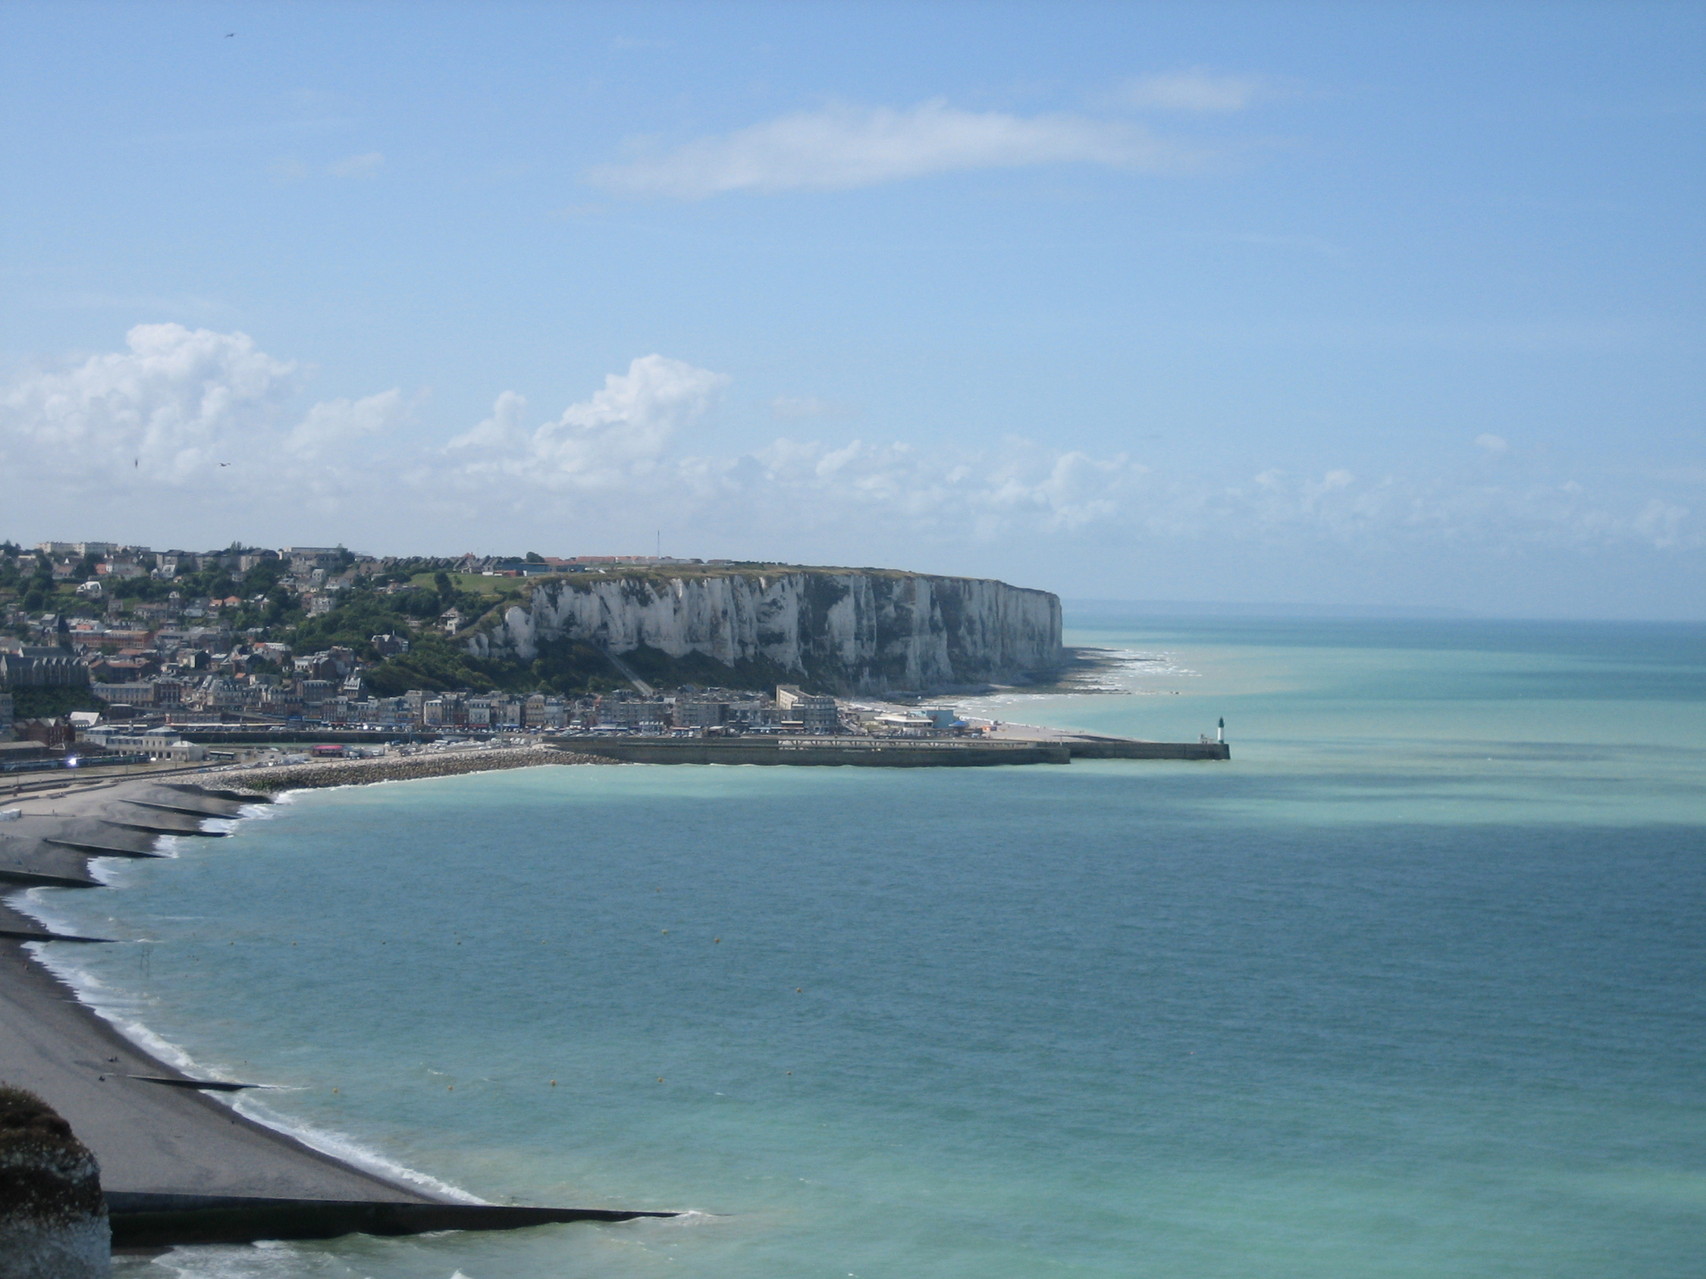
{"x": 473, "y": 583}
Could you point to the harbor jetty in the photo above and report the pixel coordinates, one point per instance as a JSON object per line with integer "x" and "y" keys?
{"x": 883, "y": 752}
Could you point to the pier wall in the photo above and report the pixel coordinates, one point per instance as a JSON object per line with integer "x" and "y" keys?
{"x": 864, "y": 752}
{"x": 1120, "y": 748}
{"x": 859, "y": 752}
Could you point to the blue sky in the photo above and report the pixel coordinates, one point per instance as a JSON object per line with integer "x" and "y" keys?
{"x": 1386, "y": 305}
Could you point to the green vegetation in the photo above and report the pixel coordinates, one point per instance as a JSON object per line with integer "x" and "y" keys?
{"x": 476, "y": 585}
{"x": 408, "y": 598}
{"x": 51, "y": 703}
{"x": 434, "y": 663}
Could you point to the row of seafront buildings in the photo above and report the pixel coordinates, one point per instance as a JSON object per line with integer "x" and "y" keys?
{"x": 164, "y": 732}
{"x": 196, "y": 682}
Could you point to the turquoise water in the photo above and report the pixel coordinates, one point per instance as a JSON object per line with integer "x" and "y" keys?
{"x": 1414, "y": 986}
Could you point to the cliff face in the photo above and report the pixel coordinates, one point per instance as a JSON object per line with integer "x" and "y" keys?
{"x": 53, "y": 1219}
{"x": 840, "y": 630}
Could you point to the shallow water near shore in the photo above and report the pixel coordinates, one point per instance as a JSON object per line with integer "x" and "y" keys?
{"x": 1414, "y": 986}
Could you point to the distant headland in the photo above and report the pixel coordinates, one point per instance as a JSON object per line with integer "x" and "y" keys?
{"x": 325, "y": 636}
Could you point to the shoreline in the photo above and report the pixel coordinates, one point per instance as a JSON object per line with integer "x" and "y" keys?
{"x": 180, "y": 1163}
{"x": 149, "y": 1137}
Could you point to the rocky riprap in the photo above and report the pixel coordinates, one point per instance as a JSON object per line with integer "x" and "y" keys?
{"x": 53, "y": 1218}
{"x": 398, "y": 768}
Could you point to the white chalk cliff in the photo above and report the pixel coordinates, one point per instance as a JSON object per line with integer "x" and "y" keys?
{"x": 846, "y": 630}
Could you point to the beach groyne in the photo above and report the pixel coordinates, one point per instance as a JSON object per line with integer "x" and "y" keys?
{"x": 155, "y": 1220}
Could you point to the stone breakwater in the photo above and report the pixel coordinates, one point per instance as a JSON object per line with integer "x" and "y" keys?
{"x": 397, "y": 768}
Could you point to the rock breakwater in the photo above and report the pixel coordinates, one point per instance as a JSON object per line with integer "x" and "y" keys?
{"x": 396, "y": 768}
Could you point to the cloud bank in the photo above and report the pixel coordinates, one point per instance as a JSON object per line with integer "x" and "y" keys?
{"x": 172, "y": 413}
{"x": 198, "y": 423}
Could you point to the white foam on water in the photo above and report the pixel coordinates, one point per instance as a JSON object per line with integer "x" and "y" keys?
{"x": 123, "y": 1011}
{"x": 35, "y": 903}
{"x": 348, "y": 1150}
{"x": 108, "y": 872}
{"x": 120, "y": 1009}
{"x": 264, "y": 1260}
{"x": 687, "y": 1217}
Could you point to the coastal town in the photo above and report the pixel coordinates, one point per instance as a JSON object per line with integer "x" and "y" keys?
{"x": 118, "y": 654}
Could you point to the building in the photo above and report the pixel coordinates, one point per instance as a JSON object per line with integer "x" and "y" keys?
{"x": 753, "y": 712}
{"x": 814, "y": 713}
{"x": 140, "y": 693}
{"x": 308, "y": 558}
{"x": 691, "y": 713}
{"x": 157, "y": 744}
{"x": 37, "y": 666}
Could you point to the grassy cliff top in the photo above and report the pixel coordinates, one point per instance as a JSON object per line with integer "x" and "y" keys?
{"x": 692, "y": 572}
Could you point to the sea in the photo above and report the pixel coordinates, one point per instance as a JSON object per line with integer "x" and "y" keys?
{"x": 1413, "y": 986}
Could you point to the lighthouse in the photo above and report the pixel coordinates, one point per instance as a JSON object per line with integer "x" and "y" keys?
{"x": 1220, "y": 732}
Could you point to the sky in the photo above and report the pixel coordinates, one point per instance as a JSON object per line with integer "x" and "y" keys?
{"x": 1353, "y": 306}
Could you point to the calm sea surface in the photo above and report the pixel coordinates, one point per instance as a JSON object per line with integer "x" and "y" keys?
{"x": 1414, "y": 986}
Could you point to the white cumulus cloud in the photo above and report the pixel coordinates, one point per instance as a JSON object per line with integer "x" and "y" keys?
{"x": 333, "y": 424}
{"x": 201, "y": 424}
{"x": 616, "y": 436}
{"x": 845, "y": 146}
{"x": 173, "y": 403}
{"x": 184, "y": 415}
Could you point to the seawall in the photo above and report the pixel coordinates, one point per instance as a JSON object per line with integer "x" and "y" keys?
{"x": 866, "y": 752}
{"x": 858, "y": 752}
